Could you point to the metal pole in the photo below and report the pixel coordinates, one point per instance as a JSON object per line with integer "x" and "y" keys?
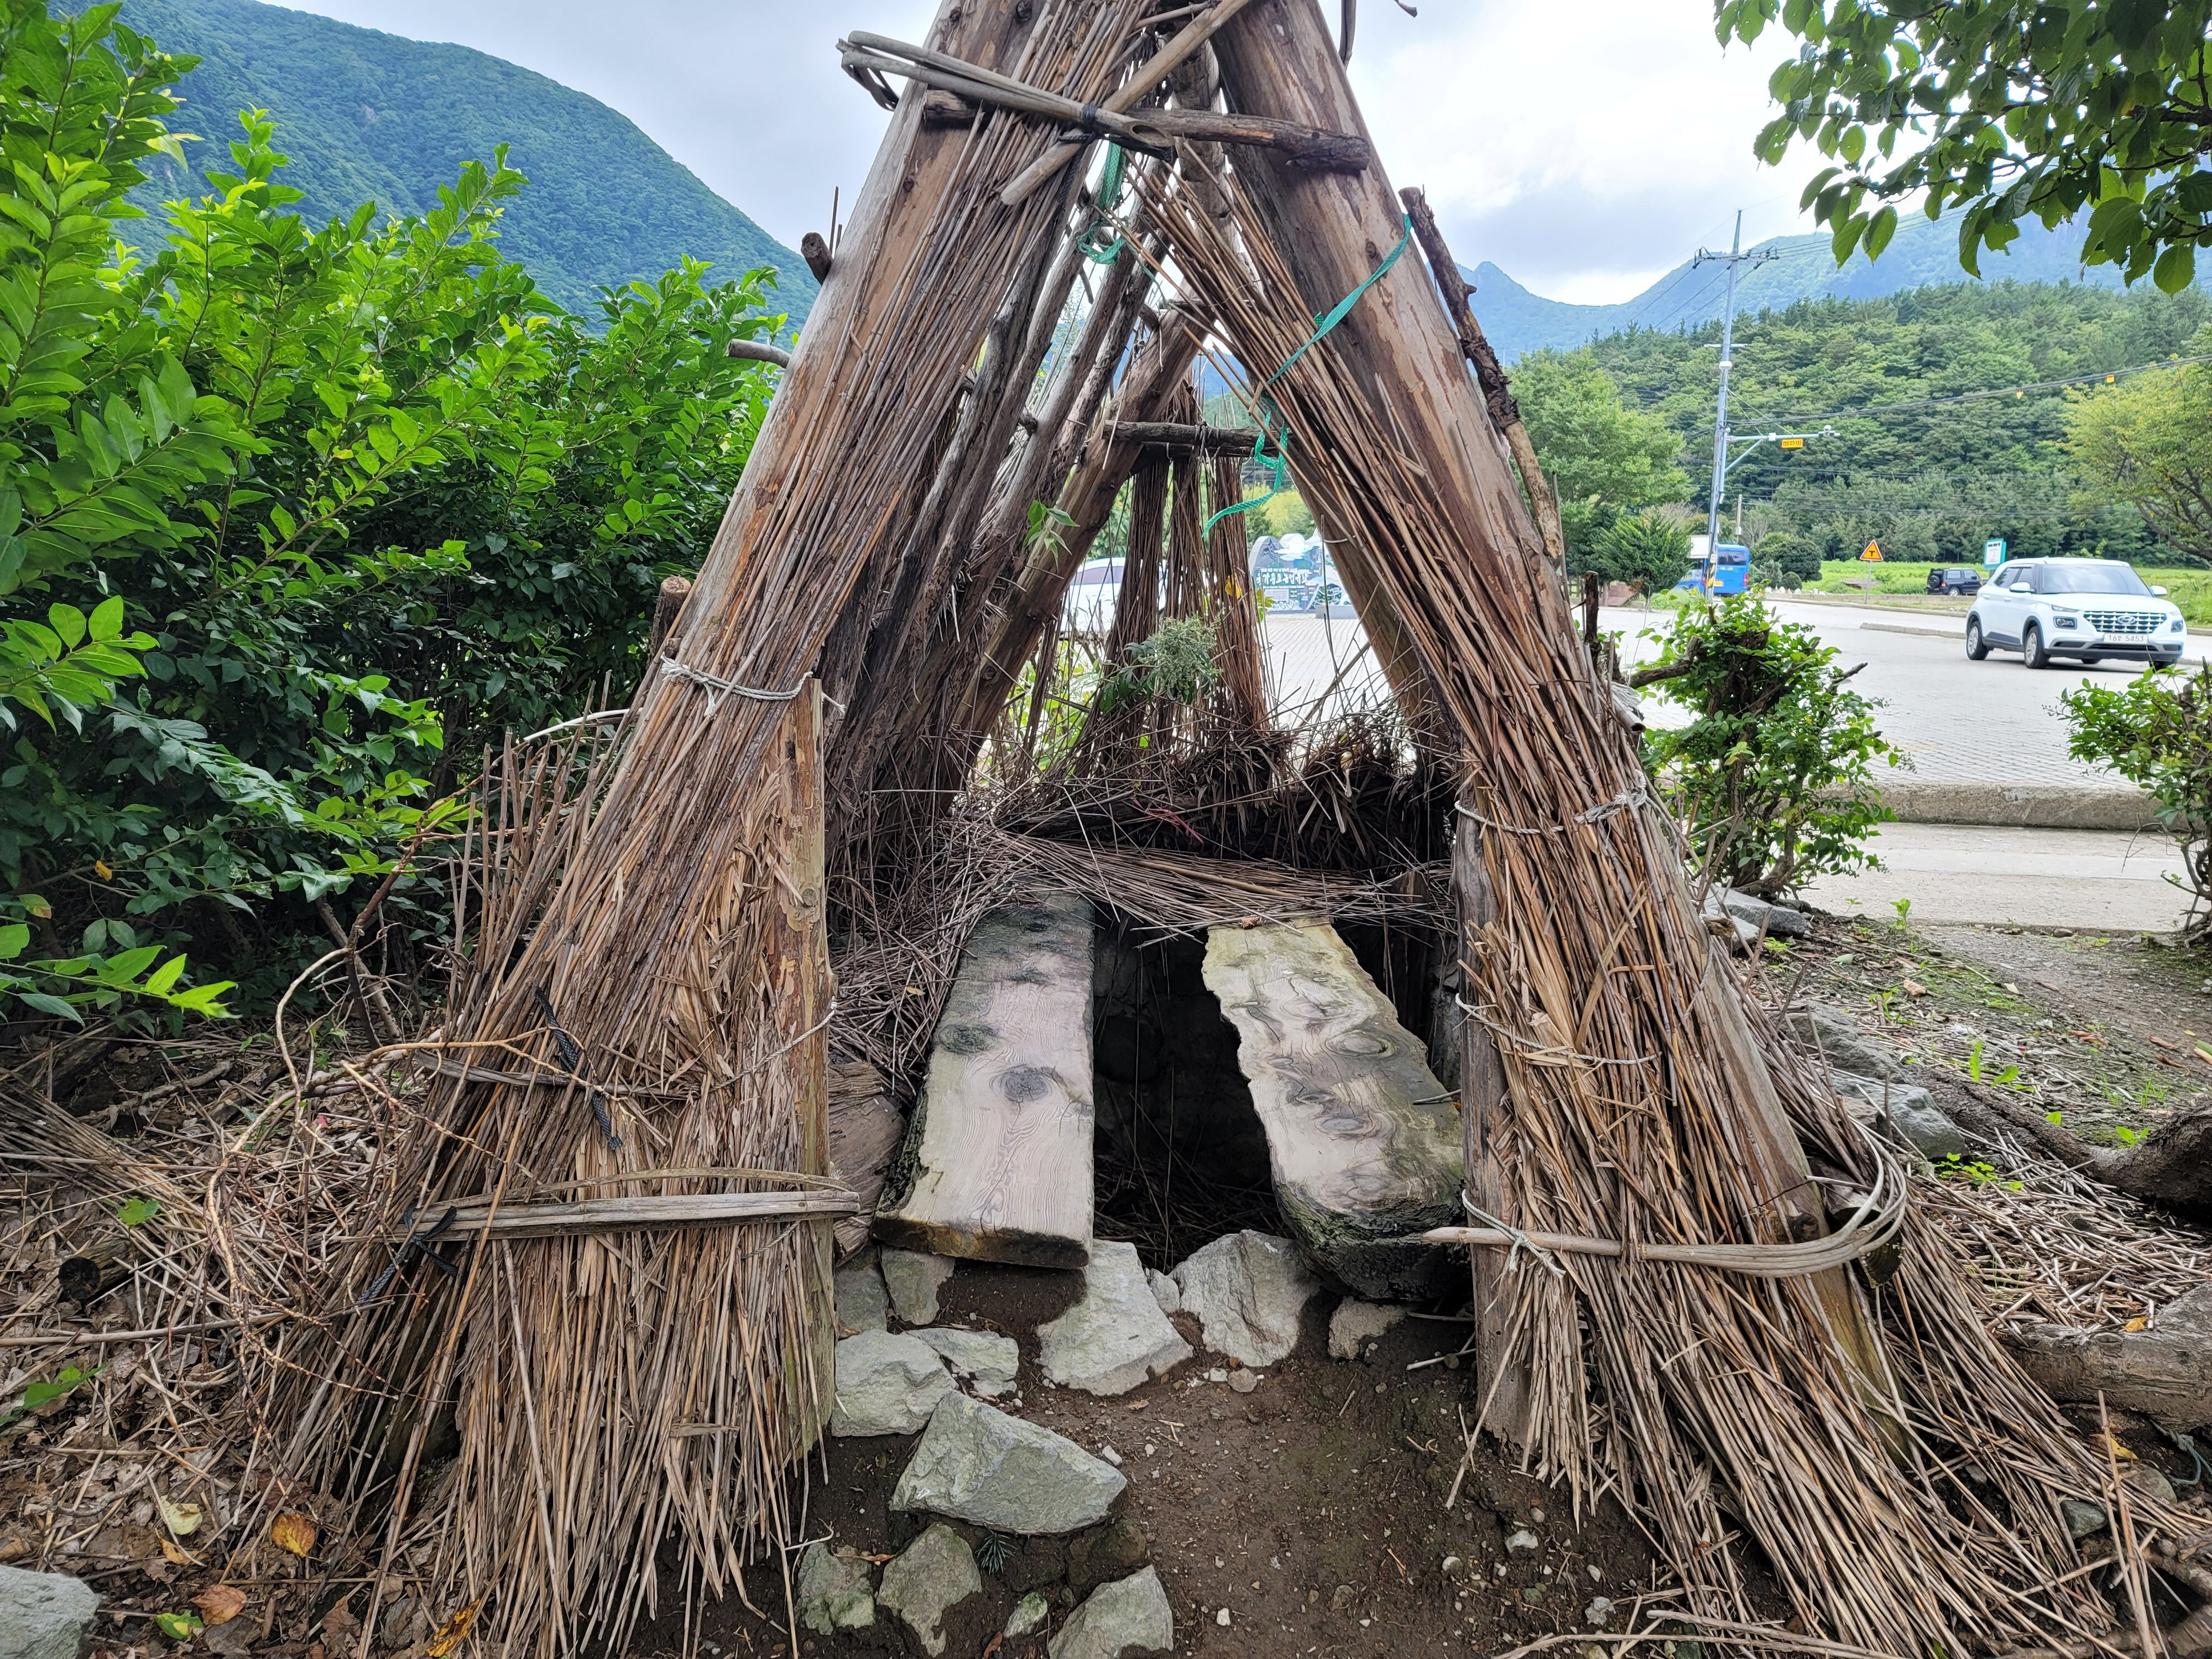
{"x": 1720, "y": 417}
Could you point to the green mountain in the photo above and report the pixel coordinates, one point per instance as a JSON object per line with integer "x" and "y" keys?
{"x": 1802, "y": 268}
{"x": 1929, "y": 479}
{"x": 366, "y": 116}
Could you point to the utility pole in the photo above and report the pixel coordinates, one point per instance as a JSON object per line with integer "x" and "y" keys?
{"x": 1735, "y": 256}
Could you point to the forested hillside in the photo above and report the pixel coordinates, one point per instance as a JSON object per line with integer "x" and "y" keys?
{"x": 1797, "y": 268}
{"x": 1930, "y": 482}
{"x": 366, "y": 116}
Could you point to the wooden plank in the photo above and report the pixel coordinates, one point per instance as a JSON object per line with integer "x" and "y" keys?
{"x": 1363, "y": 1139}
{"x": 600, "y": 1215}
{"x": 997, "y": 1161}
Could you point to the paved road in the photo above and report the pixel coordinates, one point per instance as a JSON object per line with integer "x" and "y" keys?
{"x": 1992, "y": 723}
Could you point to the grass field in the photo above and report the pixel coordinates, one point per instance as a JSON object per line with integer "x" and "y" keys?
{"x": 2189, "y": 589}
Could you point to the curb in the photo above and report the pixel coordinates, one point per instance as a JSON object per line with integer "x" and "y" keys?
{"x": 2021, "y": 806}
{"x": 1959, "y": 633}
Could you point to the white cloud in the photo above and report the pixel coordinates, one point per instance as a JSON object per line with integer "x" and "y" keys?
{"x": 1583, "y": 147}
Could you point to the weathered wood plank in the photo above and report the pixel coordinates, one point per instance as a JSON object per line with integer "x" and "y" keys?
{"x": 1362, "y": 1138}
{"x": 600, "y": 1215}
{"x": 997, "y": 1161}
{"x": 865, "y": 1128}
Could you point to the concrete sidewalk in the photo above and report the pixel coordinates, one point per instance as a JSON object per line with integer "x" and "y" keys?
{"x": 2101, "y": 880}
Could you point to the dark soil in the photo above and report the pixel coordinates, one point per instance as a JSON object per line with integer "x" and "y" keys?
{"x": 2104, "y": 1029}
{"x": 1311, "y": 1508}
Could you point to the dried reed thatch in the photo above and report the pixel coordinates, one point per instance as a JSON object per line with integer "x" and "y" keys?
{"x": 652, "y": 958}
{"x": 1901, "y": 1475}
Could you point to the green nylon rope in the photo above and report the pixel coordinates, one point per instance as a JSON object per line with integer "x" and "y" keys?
{"x": 1109, "y": 198}
{"x": 1279, "y": 463}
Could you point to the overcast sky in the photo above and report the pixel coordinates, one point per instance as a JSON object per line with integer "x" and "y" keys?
{"x": 1583, "y": 148}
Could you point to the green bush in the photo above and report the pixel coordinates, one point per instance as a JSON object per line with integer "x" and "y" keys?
{"x": 343, "y": 501}
{"x": 1773, "y": 776}
{"x": 1785, "y": 560}
{"x": 1650, "y": 551}
{"x": 2155, "y": 731}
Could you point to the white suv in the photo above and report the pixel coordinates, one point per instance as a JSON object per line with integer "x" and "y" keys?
{"x": 2087, "y": 609}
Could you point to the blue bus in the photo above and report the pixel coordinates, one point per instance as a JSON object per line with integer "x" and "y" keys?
{"x": 1727, "y": 572}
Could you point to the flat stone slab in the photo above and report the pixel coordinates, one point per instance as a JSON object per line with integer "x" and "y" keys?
{"x": 44, "y": 1615}
{"x": 1248, "y": 1291}
{"x": 833, "y": 1591}
{"x": 1127, "y": 1617}
{"x": 1362, "y": 1139}
{"x": 975, "y": 1463}
{"x": 1116, "y": 1338}
{"x": 933, "y": 1575}
{"x": 886, "y": 1384}
{"x": 913, "y": 1279}
{"x": 989, "y": 1362}
{"x": 999, "y": 1146}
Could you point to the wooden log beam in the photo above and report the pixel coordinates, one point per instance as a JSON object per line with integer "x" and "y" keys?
{"x": 1312, "y": 147}
{"x": 759, "y": 351}
{"x": 1187, "y": 42}
{"x": 2166, "y": 1373}
{"x": 1184, "y": 435}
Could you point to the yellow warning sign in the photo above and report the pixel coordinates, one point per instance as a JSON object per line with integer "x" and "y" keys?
{"x": 1873, "y": 553}
{"x": 1793, "y": 443}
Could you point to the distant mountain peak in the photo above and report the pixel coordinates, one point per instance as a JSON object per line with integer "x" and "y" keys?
{"x": 1922, "y": 252}
{"x": 367, "y": 116}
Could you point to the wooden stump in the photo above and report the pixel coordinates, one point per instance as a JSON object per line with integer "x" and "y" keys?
{"x": 1362, "y": 1138}
{"x": 997, "y": 1161}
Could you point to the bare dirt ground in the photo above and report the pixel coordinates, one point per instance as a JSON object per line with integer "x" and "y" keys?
{"x": 1311, "y": 1508}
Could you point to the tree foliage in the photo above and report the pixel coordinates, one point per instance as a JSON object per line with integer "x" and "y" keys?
{"x": 1592, "y": 441}
{"x": 1774, "y": 774}
{"x": 2008, "y": 107}
{"x": 287, "y": 511}
{"x": 2155, "y": 731}
{"x": 1784, "y": 559}
{"x": 2147, "y": 443}
{"x": 1932, "y": 481}
{"x": 1650, "y": 551}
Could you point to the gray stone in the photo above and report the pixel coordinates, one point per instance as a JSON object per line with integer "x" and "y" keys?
{"x": 1355, "y": 1324}
{"x": 1836, "y": 1037}
{"x": 975, "y": 1463}
{"x": 833, "y": 1591}
{"x": 932, "y": 1575}
{"x": 886, "y": 1384}
{"x": 1248, "y": 1291}
{"x": 1520, "y": 1539}
{"x": 862, "y": 1304}
{"x": 1116, "y": 1338}
{"x": 913, "y": 1279}
{"x": 1779, "y": 919}
{"x": 1129, "y": 1616}
{"x": 1113, "y": 1551}
{"x": 1721, "y": 921}
{"x": 44, "y": 1615}
{"x": 2082, "y": 1519}
{"x": 1163, "y": 1291}
{"x": 2142, "y": 1479}
{"x": 990, "y": 1362}
{"x": 1912, "y": 1112}
{"x": 1029, "y": 1614}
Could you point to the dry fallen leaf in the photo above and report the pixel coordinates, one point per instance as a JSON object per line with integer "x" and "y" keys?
{"x": 451, "y": 1632}
{"x": 2138, "y": 1323}
{"x": 1913, "y": 987}
{"x": 182, "y": 1519}
{"x": 293, "y": 1531}
{"x": 176, "y": 1555}
{"x": 220, "y": 1603}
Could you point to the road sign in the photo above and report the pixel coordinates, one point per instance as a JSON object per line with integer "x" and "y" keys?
{"x": 1873, "y": 553}
{"x": 1793, "y": 443}
{"x": 1993, "y": 550}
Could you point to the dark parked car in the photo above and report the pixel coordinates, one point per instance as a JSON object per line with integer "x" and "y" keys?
{"x": 1955, "y": 579}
